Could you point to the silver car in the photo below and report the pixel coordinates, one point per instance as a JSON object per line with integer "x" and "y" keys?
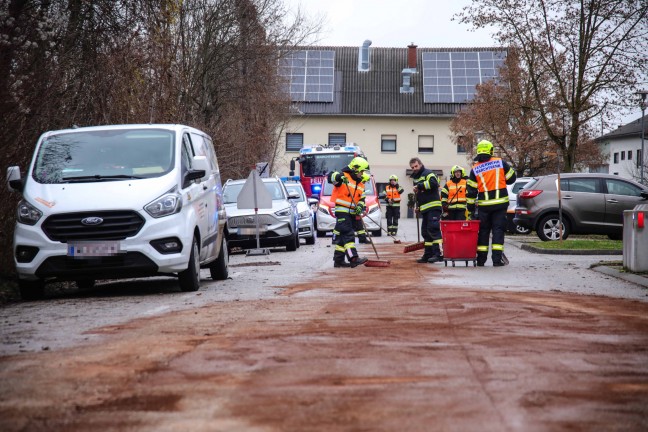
{"x": 278, "y": 226}
{"x": 304, "y": 211}
{"x": 591, "y": 204}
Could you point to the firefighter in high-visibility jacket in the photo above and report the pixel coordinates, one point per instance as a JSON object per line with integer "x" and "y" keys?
{"x": 358, "y": 225}
{"x": 487, "y": 191}
{"x": 393, "y": 192}
{"x": 348, "y": 196}
{"x": 453, "y": 195}
{"x": 428, "y": 201}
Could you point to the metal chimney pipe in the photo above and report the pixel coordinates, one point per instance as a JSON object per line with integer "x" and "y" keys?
{"x": 364, "y": 56}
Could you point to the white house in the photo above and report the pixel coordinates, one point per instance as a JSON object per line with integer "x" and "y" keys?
{"x": 623, "y": 146}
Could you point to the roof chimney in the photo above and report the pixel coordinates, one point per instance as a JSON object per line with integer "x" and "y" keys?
{"x": 363, "y": 58}
{"x": 411, "y": 56}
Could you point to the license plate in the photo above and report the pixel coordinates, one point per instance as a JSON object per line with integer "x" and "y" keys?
{"x": 93, "y": 249}
{"x": 251, "y": 231}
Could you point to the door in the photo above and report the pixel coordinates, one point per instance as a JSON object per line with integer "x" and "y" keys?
{"x": 621, "y": 195}
{"x": 584, "y": 199}
{"x": 197, "y": 190}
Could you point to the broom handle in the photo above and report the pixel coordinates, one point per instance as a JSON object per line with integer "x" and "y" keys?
{"x": 418, "y": 226}
{"x": 363, "y": 224}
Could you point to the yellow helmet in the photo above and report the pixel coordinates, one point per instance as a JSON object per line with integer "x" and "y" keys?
{"x": 457, "y": 168}
{"x": 393, "y": 177}
{"x": 365, "y": 177}
{"x": 485, "y": 147}
{"x": 359, "y": 164}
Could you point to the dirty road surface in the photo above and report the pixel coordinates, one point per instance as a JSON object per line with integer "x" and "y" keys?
{"x": 403, "y": 348}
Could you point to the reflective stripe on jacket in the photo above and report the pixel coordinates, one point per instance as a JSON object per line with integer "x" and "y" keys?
{"x": 454, "y": 194}
{"x": 393, "y": 193}
{"x": 346, "y": 196}
{"x": 427, "y": 196}
{"x": 487, "y": 182}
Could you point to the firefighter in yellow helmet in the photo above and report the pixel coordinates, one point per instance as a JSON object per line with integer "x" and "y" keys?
{"x": 453, "y": 195}
{"x": 487, "y": 191}
{"x": 393, "y": 193}
{"x": 349, "y": 199}
{"x": 358, "y": 226}
{"x": 428, "y": 201}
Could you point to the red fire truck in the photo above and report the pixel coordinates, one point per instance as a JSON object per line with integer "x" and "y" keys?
{"x": 315, "y": 162}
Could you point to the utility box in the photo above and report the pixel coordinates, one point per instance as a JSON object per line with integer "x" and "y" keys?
{"x": 635, "y": 238}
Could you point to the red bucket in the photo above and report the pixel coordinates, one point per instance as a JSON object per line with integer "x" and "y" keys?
{"x": 459, "y": 239}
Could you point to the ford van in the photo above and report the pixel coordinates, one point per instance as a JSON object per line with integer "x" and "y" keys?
{"x": 121, "y": 201}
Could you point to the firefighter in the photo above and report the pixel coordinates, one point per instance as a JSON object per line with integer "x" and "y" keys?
{"x": 393, "y": 193}
{"x": 487, "y": 190}
{"x": 348, "y": 196}
{"x": 453, "y": 195}
{"x": 358, "y": 226}
{"x": 426, "y": 190}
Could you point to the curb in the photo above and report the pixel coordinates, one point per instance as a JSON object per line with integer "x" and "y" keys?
{"x": 533, "y": 249}
{"x": 629, "y": 277}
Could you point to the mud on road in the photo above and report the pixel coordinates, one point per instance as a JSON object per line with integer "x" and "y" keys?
{"x": 366, "y": 349}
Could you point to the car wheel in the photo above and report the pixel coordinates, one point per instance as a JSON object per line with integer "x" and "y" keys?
{"x": 291, "y": 246}
{"x": 310, "y": 240}
{"x": 31, "y": 290}
{"x": 85, "y": 283}
{"x": 548, "y": 228}
{"x": 219, "y": 269}
{"x": 190, "y": 278}
{"x": 321, "y": 233}
{"x": 522, "y": 230}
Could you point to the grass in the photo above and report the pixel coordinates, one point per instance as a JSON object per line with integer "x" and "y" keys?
{"x": 581, "y": 244}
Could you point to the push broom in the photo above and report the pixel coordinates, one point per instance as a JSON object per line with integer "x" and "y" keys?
{"x": 419, "y": 244}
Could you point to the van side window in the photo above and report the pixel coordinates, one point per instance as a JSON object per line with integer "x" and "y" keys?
{"x": 202, "y": 147}
{"x": 187, "y": 154}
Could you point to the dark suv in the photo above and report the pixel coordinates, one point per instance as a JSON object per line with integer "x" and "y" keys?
{"x": 591, "y": 204}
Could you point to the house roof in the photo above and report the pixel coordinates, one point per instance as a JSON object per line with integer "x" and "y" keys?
{"x": 377, "y": 92}
{"x": 629, "y": 130}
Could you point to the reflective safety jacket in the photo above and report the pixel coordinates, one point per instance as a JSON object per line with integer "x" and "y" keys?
{"x": 427, "y": 185}
{"x": 346, "y": 196}
{"x": 453, "y": 193}
{"x": 487, "y": 183}
{"x": 393, "y": 195}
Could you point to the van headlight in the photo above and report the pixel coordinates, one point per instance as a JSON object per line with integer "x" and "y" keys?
{"x": 305, "y": 214}
{"x": 167, "y": 204}
{"x": 28, "y": 214}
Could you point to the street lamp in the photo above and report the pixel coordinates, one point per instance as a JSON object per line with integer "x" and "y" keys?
{"x": 643, "y": 105}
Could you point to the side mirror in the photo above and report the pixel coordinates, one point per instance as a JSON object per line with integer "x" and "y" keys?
{"x": 293, "y": 195}
{"x": 644, "y": 195}
{"x": 14, "y": 180}
{"x": 199, "y": 169}
{"x": 292, "y": 166}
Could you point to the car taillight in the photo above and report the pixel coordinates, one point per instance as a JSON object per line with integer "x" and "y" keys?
{"x": 529, "y": 193}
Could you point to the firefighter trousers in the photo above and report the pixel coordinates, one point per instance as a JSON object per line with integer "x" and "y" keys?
{"x": 392, "y": 214}
{"x": 492, "y": 220}
{"x": 431, "y": 232}
{"x": 345, "y": 240}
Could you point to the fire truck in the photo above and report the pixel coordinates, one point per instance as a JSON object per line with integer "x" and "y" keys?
{"x": 316, "y": 161}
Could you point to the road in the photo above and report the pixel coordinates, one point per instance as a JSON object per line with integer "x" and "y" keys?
{"x": 290, "y": 343}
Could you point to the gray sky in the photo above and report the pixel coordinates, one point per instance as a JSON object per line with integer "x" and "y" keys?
{"x": 392, "y": 23}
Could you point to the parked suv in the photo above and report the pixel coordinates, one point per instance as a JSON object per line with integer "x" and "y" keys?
{"x": 119, "y": 201}
{"x": 278, "y": 226}
{"x": 326, "y": 210}
{"x": 591, "y": 204}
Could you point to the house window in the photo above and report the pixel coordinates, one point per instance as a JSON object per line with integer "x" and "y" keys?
{"x": 461, "y": 145}
{"x": 629, "y": 154}
{"x": 616, "y": 158}
{"x": 337, "y": 139}
{"x": 622, "y": 155}
{"x": 388, "y": 143}
{"x": 426, "y": 144}
{"x": 294, "y": 141}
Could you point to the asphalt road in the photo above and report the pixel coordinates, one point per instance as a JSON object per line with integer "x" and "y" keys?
{"x": 290, "y": 343}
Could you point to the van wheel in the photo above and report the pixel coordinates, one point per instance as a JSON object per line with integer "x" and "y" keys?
{"x": 376, "y": 233}
{"x": 219, "y": 269}
{"x": 85, "y": 283}
{"x": 31, "y": 290}
{"x": 310, "y": 240}
{"x": 190, "y": 278}
{"x": 549, "y": 228}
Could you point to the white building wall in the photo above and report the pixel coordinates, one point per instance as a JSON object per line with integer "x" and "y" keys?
{"x": 625, "y": 166}
{"x": 367, "y": 132}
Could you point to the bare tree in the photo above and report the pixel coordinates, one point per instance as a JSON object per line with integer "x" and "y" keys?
{"x": 588, "y": 53}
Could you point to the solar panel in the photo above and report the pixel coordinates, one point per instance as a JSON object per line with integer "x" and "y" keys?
{"x": 452, "y": 76}
{"x": 309, "y": 75}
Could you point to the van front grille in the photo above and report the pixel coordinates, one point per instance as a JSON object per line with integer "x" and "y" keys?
{"x": 100, "y": 225}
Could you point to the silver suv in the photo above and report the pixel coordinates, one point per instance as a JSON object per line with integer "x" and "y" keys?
{"x": 591, "y": 204}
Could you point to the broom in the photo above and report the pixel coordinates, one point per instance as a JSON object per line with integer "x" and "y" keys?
{"x": 419, "y": 244}
{"x": 386, "y": 232}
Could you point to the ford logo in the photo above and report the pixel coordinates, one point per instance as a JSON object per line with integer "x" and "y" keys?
{"x": 93, "y": 220}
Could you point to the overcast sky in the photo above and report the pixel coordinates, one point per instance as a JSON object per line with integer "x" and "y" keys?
{"x": 393, "y": 23}
{"x": 397, "y": 23}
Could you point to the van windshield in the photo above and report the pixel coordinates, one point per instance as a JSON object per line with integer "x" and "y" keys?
{"x": 106, "y": 155}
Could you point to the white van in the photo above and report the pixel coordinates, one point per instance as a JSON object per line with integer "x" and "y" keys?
{"x": 120, "y": 201}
